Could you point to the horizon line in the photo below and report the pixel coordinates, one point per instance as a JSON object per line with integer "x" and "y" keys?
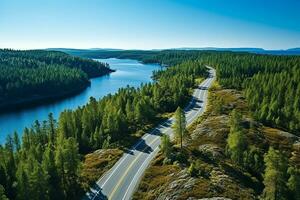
{"x": 153, "y": 49}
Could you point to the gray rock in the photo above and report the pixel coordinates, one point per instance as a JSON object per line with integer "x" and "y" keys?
{"x": 212, "y": 151}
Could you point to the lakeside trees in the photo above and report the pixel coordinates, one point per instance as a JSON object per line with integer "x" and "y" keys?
{"x": 46, "y": 164}
{"x": 26, "y": 74}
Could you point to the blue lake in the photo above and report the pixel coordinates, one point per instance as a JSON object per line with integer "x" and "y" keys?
{"x": 129, "y": 72}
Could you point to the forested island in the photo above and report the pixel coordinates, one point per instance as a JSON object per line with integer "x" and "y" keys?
{"x": 36, "y": 75}
{"x": 48, "y": 162}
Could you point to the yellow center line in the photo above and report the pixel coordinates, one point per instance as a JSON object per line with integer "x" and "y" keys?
{"x": 130, "y": 166}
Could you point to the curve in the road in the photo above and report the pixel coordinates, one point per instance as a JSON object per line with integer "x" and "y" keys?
{"x": 122, "y": 179}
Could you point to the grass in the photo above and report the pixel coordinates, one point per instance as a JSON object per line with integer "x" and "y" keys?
{"x": 199, "y": 80}
{"x": 155, "y": 179}
{"x": 96, "y": 164}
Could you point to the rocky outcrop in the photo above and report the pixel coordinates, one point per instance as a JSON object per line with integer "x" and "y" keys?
{"x": 212, "y": 151}
{"x": 182, "y": 183}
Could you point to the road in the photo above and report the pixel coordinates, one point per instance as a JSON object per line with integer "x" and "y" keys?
{"x": 122, "y": 179}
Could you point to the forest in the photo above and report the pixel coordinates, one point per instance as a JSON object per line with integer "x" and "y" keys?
{"x": 271, "y": 84}
{"x": 45, "y": 163}
{"x": 35, "y": 73}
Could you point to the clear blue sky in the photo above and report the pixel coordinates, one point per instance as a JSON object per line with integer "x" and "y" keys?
{"x": 149, "y": 24}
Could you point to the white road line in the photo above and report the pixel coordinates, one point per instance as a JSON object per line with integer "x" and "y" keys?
{"x": 124, "y": 157}
{"x": 138, "y": 172}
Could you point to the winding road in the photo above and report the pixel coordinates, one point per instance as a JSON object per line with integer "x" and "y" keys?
{"x": 122, "y": 179}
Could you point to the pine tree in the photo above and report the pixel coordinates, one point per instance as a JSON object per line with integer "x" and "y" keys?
{"x": 48, "y": 165}
{"x": 236, "y": 141}
{"x": 16, "y": 139}
{"x": 52, "y": 128}
{"x": 38, "y": 183}
{"x": 180, "y": 126}
{"x": 2, "y": 193}
{"x": 166, "y": 145}
{"x": 294, "y": 182}
{"x": 275, "y": 176}
{"x": 23, "y": 186}
{"x": 71, "y": 167}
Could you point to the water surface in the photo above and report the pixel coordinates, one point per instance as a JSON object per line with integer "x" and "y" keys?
{"x": 129, "y": 72}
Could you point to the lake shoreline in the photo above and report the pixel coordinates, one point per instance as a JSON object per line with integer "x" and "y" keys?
{"x": 17, "y": 116}
{"x": 10, "y": 106}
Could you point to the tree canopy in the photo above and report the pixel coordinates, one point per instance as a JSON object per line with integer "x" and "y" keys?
{"x": 28, "y": 74}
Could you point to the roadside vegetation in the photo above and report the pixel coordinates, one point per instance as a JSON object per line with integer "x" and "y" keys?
{"x": 227, "y": 153}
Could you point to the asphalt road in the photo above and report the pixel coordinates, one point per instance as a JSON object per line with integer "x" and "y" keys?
{"x": 122, "y": 179}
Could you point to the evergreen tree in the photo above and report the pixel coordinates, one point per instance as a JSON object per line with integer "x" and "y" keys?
{"x": 236, "y": 141}
{"x": 180, "y": 126}
{"x": 166, "y": 146}
{"x": 23, "y": 186}
{"x": 275, "y": 176}
{"x": 48, "y": 165}
{"x": 52, "y": 128}
{"x": 17, "y": 144}
{"x": 2, "y": 193}
{"x": 294, "y": 182}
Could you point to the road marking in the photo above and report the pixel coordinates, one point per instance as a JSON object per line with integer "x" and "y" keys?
{"x": 130, "y": 166}
{"x": 124, "y": 157}
{"x": 135, "y": 176}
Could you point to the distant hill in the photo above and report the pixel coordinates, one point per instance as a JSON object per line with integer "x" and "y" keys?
{"x": 101, "y": 51}
{"x": 221, "y": 49}
{"x": 293, "y": 51}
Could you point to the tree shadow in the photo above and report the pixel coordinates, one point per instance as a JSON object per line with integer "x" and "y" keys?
{"x": 128, "y": 151}
{"x": 203, "y": 88}
{"x": 194, "y": 105}
{"x": 157, "y": 129}
{"x": 95, "y": 193}
{"x": 143, "y": 147}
